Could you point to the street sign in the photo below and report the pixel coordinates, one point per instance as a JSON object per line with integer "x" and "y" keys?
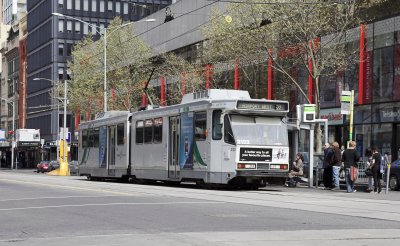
{"x": 309, "y": 112}
{"x": 345, "y": 100}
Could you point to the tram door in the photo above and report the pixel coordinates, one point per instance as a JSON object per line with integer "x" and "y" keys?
{"x": 173, "y": 160}
{"x": 111, "y": 150}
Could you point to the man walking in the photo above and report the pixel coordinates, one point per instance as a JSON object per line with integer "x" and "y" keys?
{"x": 350, "y": 158}
{"x": 327, "y": 178}
{"x": 336, "y": 162}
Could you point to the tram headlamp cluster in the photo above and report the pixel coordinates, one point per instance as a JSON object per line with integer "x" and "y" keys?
{"x": 279, "y": 166}
{"x": 246, "y": 166}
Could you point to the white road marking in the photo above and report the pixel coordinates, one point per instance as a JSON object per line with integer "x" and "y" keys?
{"x": 109, "y": 204}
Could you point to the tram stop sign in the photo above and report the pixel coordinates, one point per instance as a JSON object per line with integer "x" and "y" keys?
{"x": 309, "y": 112}
{"x": 345, "y": 100}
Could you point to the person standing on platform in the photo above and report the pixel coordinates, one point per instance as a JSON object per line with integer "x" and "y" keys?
{"x": 350, "y": 157}
{"x": 336, "y": 162}
{"x": 327, "y": 178}
{"x": 376, "y": 170}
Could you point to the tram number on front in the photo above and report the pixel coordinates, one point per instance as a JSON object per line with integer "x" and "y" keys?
{"x": 243, "y": 141}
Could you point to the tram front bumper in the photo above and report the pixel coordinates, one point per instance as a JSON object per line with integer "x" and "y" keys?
{"x": 261, "y": 173}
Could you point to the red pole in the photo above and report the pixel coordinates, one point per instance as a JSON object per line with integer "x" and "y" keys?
{"x": 163, "y": 91}
{"x": 236, "y": 84}
{"x": 77, "y": 119}
{"x": 144, "y": 98}
{"x": 270, "y": 76}
{"x": 183, "y": 83}
{"x": 208, "y": 76}
{"x": 361, "y": 66}
{"x": 113, "y": 97}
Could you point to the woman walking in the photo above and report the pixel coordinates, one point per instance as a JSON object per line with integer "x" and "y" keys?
{"x": 376, "y": 170}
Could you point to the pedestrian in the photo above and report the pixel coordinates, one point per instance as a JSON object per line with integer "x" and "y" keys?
{"x": 336, "y": 162}
{"x": 368, "y": 154}
{"x": 350, "y": 157}
{"x": 376, "y": 170}
{"x": 327, "y": 178}
{"x": 297, "y": 169}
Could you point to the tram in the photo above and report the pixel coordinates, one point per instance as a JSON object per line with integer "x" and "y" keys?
{"x": 212, "y": 137}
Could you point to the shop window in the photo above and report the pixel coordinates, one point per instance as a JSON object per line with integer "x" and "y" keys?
{"x": 139, "y": 132}
{"x": 200, "y": 124}
{"x": 120, "y": 134}
{"x": 217, "y": 125}
{"x": 382, "y": 135}
{"x": 148, "y": 131}
{"x": 383, "y": 74}
{"x": 157, "y": 129}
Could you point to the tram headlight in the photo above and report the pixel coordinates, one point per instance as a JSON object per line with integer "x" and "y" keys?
{"x": 246, "y": 166}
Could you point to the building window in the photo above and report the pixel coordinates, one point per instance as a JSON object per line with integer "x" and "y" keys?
{"x": 69, "y": 4}
{"x": 85, "y": 5}
{"x": 102, "y": 6}
{"x": 126, "y": 8}
{"x": 85, "y": 28}
{"x": 118, "y": 7}
{"x": 110, "y": 6}
{"x": 60, "y": 4}
{"x": 94, "y": 5}
{"x": 78, "y": 4}
{"x": 10, "y": 111}
{"x": 383, "y": 74}
{"x": 60, "y": 25}
{"x": 60, "y": 73}
{"x": 69, "y": 49}
{"x": 77, "y": 27}
{"x": 61, "y": 49}
{"x": 69, "y": 26}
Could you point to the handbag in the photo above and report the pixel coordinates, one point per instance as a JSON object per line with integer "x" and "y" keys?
{"x": 368, "y": 172}
{"x": 353, "y": 173}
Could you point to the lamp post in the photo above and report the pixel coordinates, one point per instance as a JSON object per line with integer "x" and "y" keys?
{"x": 13, "y": 129}
{"x": 58, "y": 114}
{"x": 102, "y": 31}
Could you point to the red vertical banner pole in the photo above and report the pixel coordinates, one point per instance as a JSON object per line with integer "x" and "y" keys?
{"x": 113, "y": 97}
{"x": 208, "y": 76}
{"x": 236, "y": 77}
{"x": 163, "y": 97}
{"x": 144, "y": 97}
{"x": 183, "y": 83}
{"x": 361, "y": 73}
{"x": 77, "y": 119}
{"x": 270, "y": 76}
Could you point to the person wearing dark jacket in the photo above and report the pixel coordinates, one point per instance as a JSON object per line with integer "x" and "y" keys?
{"x": 350, "y": 157}
{"x": 336, "y": 163}
{"x": 327, "y": 178}
{"x": 376, "y": 169}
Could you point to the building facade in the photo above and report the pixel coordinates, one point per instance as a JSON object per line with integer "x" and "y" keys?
{"x": 13, "y": 10}
{"x": 49, "y": 45}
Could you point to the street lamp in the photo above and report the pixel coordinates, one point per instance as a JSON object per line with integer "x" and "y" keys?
{"x": 13, "y": 129}
{"x": 58, "y": 114}
{"x": 102, "y": 31}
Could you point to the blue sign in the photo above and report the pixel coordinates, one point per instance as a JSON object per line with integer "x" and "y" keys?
{"x": 186, "y": 141}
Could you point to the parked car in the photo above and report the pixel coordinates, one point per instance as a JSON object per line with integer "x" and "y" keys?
{"x": 53, "y": 165}
{"x": 394, "y": 178}
{"x": 42, "y": 166}
{"x": 73, "y": 167}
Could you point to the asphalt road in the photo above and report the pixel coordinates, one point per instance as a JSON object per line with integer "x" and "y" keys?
{"x": 37, "y": 209}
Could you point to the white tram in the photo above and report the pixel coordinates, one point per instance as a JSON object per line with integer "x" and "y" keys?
{"x": 212, "y": 137}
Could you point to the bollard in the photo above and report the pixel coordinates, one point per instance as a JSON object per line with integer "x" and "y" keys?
{"x": 387, "y": 178}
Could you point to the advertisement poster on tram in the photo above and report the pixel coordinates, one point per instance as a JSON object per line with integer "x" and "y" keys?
{"x": 102, "y": 146}
{"x": 186, "y": 141}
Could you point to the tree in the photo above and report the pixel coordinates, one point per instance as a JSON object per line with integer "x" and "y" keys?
{"x": 129, "y": 65}
{"x": 302, "y": 37}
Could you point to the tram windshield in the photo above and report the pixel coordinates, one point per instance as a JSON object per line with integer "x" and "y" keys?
{"x": 259, "y": 130}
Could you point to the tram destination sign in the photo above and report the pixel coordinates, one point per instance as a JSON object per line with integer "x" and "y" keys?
{"x": 270, "y": 106}
{"x": 255, "y": 154}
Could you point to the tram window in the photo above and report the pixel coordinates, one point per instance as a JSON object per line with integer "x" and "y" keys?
{"x": 148, "y": 131}
{"x": 90, "y": 138}
{"x": 200, "y": 125}
{"x": 157, "y": 130}
{"x": 139, "y": 132}
{"x": 217, "y": 125}
{"x": 120, "y": 134}
{"x": 85, "y": 138}
{"x": 96, "y": 137}
{"x": 228, "y": 134}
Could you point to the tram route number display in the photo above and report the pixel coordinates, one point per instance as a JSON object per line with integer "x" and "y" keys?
{"x": 252, "y": 154}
